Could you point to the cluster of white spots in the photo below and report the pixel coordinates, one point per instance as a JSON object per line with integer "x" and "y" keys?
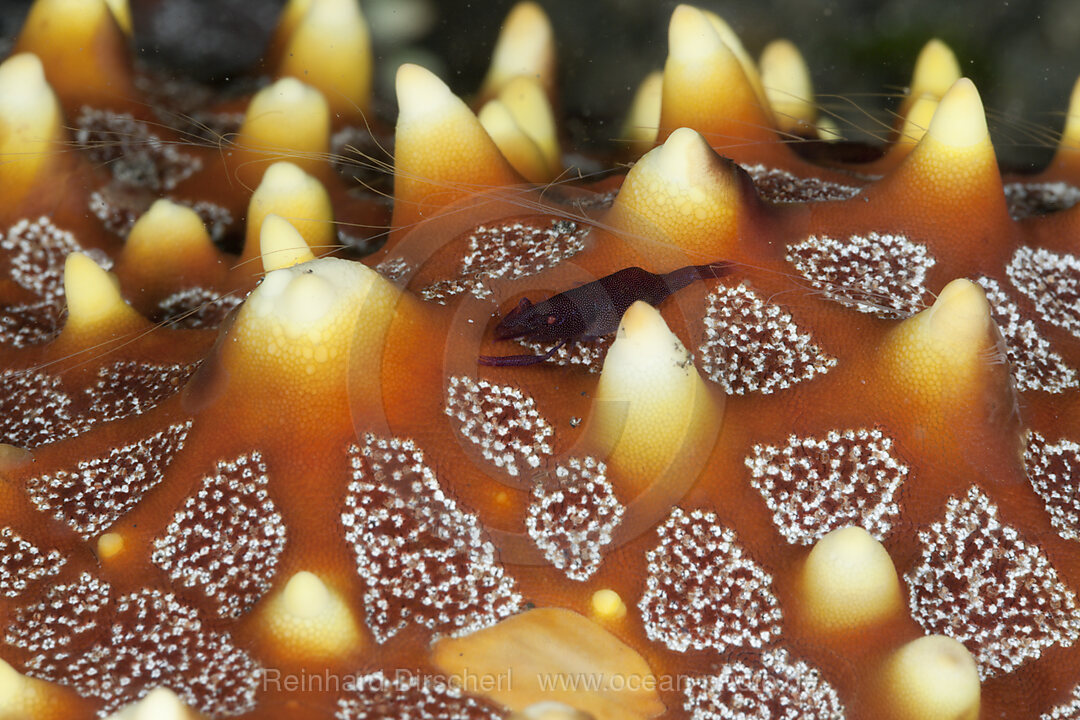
{"x": 1034, "y": 365}
{"x": 1052, "y": 281}
{"x": 815, "y": 486}
{"x": 510, "y": 251}
{"x": 409, "y": 696}
{"x": 423, "y": 558}
{"x": 775, "y": 689}
{"x": 227, "y": 538}
{"x": 980, "y": 583}
{"x": 30, "y": 323}
{"x": 117, "y": 208}
{"x": 35, "y": 251}
{"x": 38, "y": 250}
{"x": 394, "y": 268}
{"x": 587, "y": 354}
{"x": 1069, "y": 710}
{"x": 92, "y": 496}
{"x": 197, "y": 307}
{"x": 754, "y": 346}
{"x": 117, "y": 649}
{"x": 703, "y": 591}
{"x": 35, "y": 409}
{"x": 501, "y": 421}
{"x": 1054, "y": 472}
{"x": 217, "y": 219}
{"x": 572, "y": 516}
{"x": 134, "y": 154}
{"x": 22, "y": 562}
{"x": 1027, "y": 199}
{"x": 877, "y": 273}
{"x": 778, "y": 185}
{"x": 129, "y": 387}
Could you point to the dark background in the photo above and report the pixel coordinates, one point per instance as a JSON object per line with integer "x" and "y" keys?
{"x": 1023, "y": 55}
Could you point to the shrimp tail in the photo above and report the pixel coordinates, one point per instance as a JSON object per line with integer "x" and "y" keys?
{"x": 518, "y": 360}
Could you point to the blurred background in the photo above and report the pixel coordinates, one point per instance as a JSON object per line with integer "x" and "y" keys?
{"x": 1024, "y": 55}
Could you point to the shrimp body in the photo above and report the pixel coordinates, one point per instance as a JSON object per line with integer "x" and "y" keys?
{"x": 592, "y": 310}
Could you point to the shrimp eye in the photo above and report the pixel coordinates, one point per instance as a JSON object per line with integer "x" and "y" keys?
{"x": 551, "y": 319}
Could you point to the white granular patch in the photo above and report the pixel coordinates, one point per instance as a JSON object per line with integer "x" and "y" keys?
{"x": 774, "y": 689}
{"x": 227, "y": 538}
{"x": 876, "y": 273}
{"x": 22, "y": 562}
{"x": 1054, "y": 472}
{"x": 979, "y": 582}
{"x": 1034, "y": 365}
{"x": 754, "y": 346}
{"x": 117, "y": 649}
{"x": 510, "y": 251}
{"x": 778, "y": 185}
{"x": 572, "y": 515}
{"x": 1027, "y": 199}
{"x": 1052, "y": 282}
{"x": 93, "y": 495}
{"x": 814, "y": 486}
{"x": 702, "y": 590}
{"x": 501, "y": 421}
{"x": 35, "y": 409}
{"x": 409, "y": 696}
{"x": 423, "y": 559}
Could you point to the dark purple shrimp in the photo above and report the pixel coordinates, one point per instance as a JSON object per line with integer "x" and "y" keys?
{"x": 592, "y": 310}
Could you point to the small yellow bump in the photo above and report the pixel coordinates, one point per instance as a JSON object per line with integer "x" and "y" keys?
{"x": 679, "y": 194}
{"x": 733, "y": 43}
{"x": 828, "y": 130}
{"x": 692, "y": 35}
{"x": 653, "y": 415}
{"x": 933, "y": 678}
{"x": 607, "y": 605}
{"x": 941, "y": 350}
{"x": 520, "y": 150}
{"x": 159, "y": 704}
{"x": 109, "y": 545}
{"x": 420, "y": 93}
{"x": 1072, "y": 118}
{"x": 525, "y": 99}
{"x": 306, "y": 596}
{"x": 526, "y": 47}
{"x": 330, "y": 48}
{"x": 281, "y": 245}
{"x": 29, "y": 123}
{"x": 288, "y": 191}
{"x": 936, "y": 69}
{"x": 440, "y": 148}
{"x": 643, "y": 120}
{"x": 93, "y": 295}
{"x": 960, "y": 120}
{"x": 23, "y": 697}
{"x": 917, "y": 120}
{"x": 288, "y": 116}
{"x": 849, "y": 581}
{"x": 786, "y": 80}
{"x": 167, "y": 226}
{"x": 310, "y": 619}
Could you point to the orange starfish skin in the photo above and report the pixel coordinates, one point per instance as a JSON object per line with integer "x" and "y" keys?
{"x": 840, "y": 481}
